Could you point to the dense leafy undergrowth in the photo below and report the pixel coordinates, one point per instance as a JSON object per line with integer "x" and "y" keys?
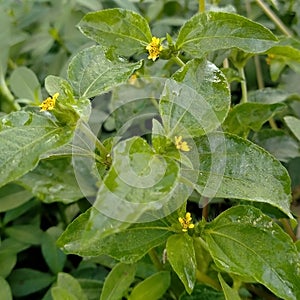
{"x": 149, "y": 149}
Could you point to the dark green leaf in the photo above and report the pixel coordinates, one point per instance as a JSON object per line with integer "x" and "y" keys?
{"x": 246, "y": 116}
{"x": 152, "y": 288}
{"x": 203, "y": 292}
{"x": 208, "y": 81}
{"x": 101, "y": 235}
{"x": 12, "y": 196}
{"x": 212, "y": 31}
{"x": 245, "y": 242}
{"x": 28, "y": 234}
{"x": 24, "y": 137}
{"x": 231, "y": 167}
{"x": 125, "y": 31}
{"x": 118, "y": 281}
{"x": 26, "y": 281}
{"x": 53, "y": 256}
{"x": 181, "y": 255}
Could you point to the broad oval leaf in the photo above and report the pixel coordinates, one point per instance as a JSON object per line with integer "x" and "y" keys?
{"x": 246, "y": 116}
{"x": 91, "y": 73}
{"x": 97, "y": 234}
{"x": 209, "y": 82}
{"x": 26, "y": 281}
{"x": 186, "y": 112}
{"x": 232, "y": 167}
{"x": 139, "y": 181}
{"x": 210, "y": 31}
{"x": 244, "y": 241}
{"x": 294, "y": 124}
{"x": 118, "y": 281}
{"x": 24, "y": 137}
{"x": 124, "y": 31}
{"x": 5, "y": 292}
{"x": 181, "y": 255}
{"x": 152, "y": 287}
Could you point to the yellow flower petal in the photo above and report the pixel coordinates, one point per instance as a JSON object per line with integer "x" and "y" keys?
{"x": 154, "y": 48}
{"x": 49, "y": 103}
{"x": 181, "y": 145}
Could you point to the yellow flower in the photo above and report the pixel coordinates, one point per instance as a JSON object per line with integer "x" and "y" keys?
{"x": 49, "y": 103}
{"x": 154, "y": 48}
{"x": 181, "y": 145}
{"x": 270, "y": 58}
{"x": 186, "y": 223}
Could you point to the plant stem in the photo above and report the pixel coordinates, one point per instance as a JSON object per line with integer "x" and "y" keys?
{"x": 201, "y": 6}
{"x": 288, "y": 229}
{"x": 259, "y": 77}
{"x": 273, "y": 124}
{"x": 243, "y": 85}
{"x": 205, "y": 208}
{"x": 201, "y": 277}
{"x": 154, "y": 258}
{"x": 179, "y": 61}
{"x": 274, "y": 18}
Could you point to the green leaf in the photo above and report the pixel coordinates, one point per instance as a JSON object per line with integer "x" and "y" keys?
{"x": 294, "y": 125}
{"x": 246, "y": 116}
{"x": 69, "y": 283}
{"x": 27, "y": 281}
{"x": 5, "y": 292}
{"x": 53, "y": 180}
{"x": 24, "y": 84}
{"x": 98, "y": 235}
{"x": 269, "y": 95}
{"x": 7, "y": 263}
{"x": 203, "y": 292}
{"x": 208, "y": 81}
{"x": 210, "y": 31}
{"x": 25, "y": 233}
{"x": 152, "y": 287}
{"x": 59, "y": 293}
{"x": 55, "y": 84}
{"x": 91, "y": 288}
{"x": 186, "y": 112}
{"x": 91, "y": 73}
{"x": 124, "y": 31}
{"x": 232, "y": 167}
{"x": 245, "y": 242}
{"x": 24, "y": 137}
{"x": 12, "y": 196}
{"x": 118, "y": 281}
{"x": 53, "y": 256}
{"x": 181, "y": 255}
{"x": 278, "y": 142}
{"x": 230, "y": 294}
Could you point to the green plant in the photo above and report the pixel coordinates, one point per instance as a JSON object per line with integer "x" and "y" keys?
{"x": 164, "y": 136}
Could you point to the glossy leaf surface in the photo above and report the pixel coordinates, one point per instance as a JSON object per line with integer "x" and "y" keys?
{"x": 210, "y": 31}
{"x": 245, "y": 242}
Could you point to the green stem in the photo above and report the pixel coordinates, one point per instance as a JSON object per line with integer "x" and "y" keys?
{"x": 259, "y": 76}
{"x": 155, "y": 260}
{"x": 201, "y": 277}
{"x": 288, "y": 229}
{"x": 201, "y": 6}
{"x": 243, "y": 85}
{"x": 273, "y": 124}
{"x": 91, "y": 135}
{"x": 274, "y": 18}
{"x": 179, "y": 61}
{"x": 7, "y": 96}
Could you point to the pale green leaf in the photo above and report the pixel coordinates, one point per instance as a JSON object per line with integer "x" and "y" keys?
{"x": 294, "y": 124}
{"x": 5, "y": 292}
{"x": 124, "y": 31}
{"x": 24, "y": 137}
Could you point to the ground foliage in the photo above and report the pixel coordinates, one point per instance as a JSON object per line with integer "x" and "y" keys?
{"x": 165, "y": 161}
